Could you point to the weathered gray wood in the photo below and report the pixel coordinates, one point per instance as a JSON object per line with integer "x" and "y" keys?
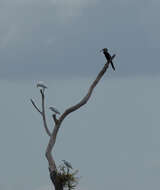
{"x": 42, "y": 113}
{"x": 57, "y": 123}
{"x": 52, "y": 165}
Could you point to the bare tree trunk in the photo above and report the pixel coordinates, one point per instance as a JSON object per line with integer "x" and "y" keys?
{"x": 56, "y": 181}
{"x": 51, "y": 163}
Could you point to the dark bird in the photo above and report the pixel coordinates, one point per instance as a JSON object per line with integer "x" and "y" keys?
{"x": 108, "y": 57}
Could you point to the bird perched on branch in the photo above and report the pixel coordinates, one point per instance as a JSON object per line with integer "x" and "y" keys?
{"x": 67, "y": 164}
{"x": 54, "y": 110}
{"x": 41, "y": 85}
{"x": 108, "y": 57}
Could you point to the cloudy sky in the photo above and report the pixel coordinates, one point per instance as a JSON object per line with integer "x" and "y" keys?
{"x": 114, "y": 139}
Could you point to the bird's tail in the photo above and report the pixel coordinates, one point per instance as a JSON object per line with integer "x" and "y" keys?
{"x": 112, "y": 65}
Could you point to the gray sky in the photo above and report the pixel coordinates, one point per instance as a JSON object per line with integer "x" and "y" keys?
{"x": 114, "y": 139}
{"x": 62, "y": 37}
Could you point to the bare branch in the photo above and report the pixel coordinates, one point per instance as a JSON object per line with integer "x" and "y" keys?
{"x": 55, "y": 119}
{"x": 33, "y": 103}
{"x": 52, "y": 165}
{"x": 86, "y": 98}
{"x": 43, "y": 114}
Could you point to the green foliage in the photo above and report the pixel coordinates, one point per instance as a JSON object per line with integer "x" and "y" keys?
{"x": 67, "y": 176}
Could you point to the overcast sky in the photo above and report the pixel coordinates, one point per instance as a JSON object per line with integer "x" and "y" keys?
{"x": 63, "y": 37}
{"x": 114, "y": 139}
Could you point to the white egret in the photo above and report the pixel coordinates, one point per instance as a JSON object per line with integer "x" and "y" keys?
{"x": 67, "y": 164}
{"x": 41, "y": 85}
{"x": 54, "y": 110}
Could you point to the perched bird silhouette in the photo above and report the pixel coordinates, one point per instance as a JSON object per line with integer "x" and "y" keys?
{"x": 108, "y": 57}
{"x": 54, "y": 110}
{"x": 67, "y": 164}
{"x": 41, "y": 85}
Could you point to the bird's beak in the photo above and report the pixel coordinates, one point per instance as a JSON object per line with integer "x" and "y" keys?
{"x": 101, "y": 50}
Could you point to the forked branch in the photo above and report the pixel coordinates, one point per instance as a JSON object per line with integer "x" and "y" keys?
{"x": 54, "y": 173}
{"x": 42, "y": 113}
{"x": 52, "y": 165}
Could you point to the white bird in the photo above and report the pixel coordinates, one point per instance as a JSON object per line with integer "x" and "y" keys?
{"x": 54, "y": 110}
{"x": 67, "y": 164}
{"x": 41, "y": 84}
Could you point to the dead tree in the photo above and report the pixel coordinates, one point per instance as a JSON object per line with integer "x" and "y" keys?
{"x": 57, "y": 180}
